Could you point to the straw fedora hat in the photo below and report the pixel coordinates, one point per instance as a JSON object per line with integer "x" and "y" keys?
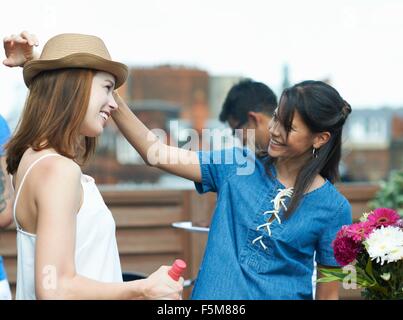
{"x": 72, "y": 50}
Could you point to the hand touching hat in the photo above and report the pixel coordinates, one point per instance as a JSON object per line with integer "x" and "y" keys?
{"x": 19, "y": 49}
{"x": 72, "y": 50}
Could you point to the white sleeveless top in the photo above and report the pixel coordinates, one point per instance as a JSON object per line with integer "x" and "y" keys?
{"x": 96, "y": 251}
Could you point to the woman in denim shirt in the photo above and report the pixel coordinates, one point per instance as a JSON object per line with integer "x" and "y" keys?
{"x": 273, "y": 213}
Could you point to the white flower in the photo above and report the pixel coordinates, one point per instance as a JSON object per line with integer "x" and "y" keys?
{"x": 385, "y": 276}
{"x": 396, "y": 254}
{"x": 385, "y": 244}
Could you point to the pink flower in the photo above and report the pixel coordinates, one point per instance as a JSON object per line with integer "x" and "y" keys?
{"x": 359, "y": 231}
{"x": 345, "y": 248}
{"x": 383, "y": 217}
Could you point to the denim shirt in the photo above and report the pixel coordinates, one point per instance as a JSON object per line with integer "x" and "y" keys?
{"x": 4, "y": 135}
{"x": 236, "y": 267}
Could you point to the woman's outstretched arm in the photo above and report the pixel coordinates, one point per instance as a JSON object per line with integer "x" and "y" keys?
{"x": 181, "y": 162}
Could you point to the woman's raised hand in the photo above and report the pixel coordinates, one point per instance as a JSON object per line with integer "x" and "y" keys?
{"x": 19, "y": 49}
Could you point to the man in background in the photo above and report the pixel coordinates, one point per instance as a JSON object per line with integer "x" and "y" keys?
{"x": 250, "y": 105}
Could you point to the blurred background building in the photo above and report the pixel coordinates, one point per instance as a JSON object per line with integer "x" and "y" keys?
{"x": 181, "y": 100}
{"x": 373, "y": 144}
{"x": 175, "y": 99}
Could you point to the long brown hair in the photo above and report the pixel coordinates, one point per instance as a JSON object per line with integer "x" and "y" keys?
{"x": 54, "y": 111}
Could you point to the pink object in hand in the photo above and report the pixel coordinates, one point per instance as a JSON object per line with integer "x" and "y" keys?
{"x": 177, "y": 269}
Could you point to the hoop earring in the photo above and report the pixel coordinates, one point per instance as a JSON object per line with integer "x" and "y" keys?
{"x": 314, "y": 153}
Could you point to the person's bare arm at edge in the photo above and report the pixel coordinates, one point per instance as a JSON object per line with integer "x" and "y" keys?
{"x": 6, "y": 215}
{"x": 326, "y": 290}
{"x": 181, "y": 162}
{"x": 58, "y": 197}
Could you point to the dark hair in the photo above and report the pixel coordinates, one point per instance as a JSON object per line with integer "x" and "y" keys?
{"x": 245, "y": 96}
{"x": 322, "y": 109}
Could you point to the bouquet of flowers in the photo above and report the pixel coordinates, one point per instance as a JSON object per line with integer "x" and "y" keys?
{"x": 371, "y": 255}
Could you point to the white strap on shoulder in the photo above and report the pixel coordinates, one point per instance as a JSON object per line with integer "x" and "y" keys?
{"x": 23, "y": 180}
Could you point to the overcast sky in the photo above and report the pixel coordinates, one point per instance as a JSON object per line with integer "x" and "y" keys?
{"x": 358, "y": 44}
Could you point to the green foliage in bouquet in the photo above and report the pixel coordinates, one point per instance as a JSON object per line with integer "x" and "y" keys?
{"x": 390, "y": 194}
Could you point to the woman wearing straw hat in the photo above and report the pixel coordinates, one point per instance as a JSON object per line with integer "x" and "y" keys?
{"x": 65, "y": 233}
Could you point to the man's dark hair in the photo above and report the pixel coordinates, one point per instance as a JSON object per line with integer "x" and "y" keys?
{"x": 246, "y": 96}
